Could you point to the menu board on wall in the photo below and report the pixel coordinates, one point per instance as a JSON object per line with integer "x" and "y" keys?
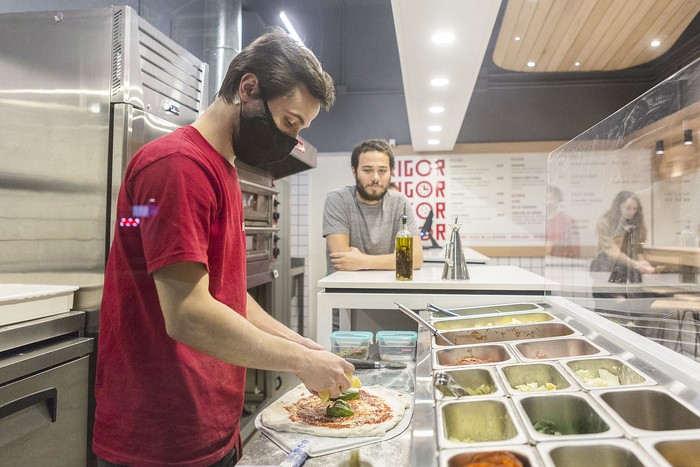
{"x": 499, "y": 199}
{"x": 590, "y": 180}
{"x": 674, "y": 202}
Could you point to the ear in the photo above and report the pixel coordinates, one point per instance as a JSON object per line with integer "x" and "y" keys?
{"x": 249, "y": 87}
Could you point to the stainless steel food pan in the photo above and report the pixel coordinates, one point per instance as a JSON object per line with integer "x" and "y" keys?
{"x": 585, "y": 369}
{"x": 541, "y": 374}
{"x": 509, "y": 333}
{"x": 493, "y": 309}
{"x": 649, "y": 411}
{"x": 503, "y": 319}
{"x": 598, "y": 453}
{"x": 449, "y": 357}
{"x": 527, "y": 455}
{"x": 474, "y": 379}
{"x": 478, "y": 422}
{"x": 673, "y": 450}
{"x": 557, "y": 348}
{"x": 566, "y": 416}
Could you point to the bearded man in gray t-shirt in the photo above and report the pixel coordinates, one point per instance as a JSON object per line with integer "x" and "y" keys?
{"x": 360, "y": 222}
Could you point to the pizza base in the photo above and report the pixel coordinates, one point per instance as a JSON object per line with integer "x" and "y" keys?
{"x": 276, "y": 416}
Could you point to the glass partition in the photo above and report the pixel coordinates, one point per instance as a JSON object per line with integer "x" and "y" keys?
{"x": 623, "y": 215}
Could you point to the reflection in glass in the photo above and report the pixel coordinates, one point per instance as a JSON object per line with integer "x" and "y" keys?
{"x": 642, "y": 273}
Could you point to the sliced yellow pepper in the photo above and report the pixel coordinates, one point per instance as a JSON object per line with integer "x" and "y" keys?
{"x": 326, "y": 395}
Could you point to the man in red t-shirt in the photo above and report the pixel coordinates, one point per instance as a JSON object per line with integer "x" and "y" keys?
{"x": 177, "y": 327}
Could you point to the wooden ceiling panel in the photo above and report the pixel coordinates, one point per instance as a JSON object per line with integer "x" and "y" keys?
{"x": 601, "y": 35}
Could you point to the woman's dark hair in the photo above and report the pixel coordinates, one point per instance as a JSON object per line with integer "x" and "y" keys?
{"x": 378, "y": 145}
{"x": 280, "y": 63}
{"x": 614, "y": 214}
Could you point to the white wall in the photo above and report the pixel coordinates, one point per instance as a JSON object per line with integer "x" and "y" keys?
{"x": 309, "y": 191}
{"x": 332, "y": 171}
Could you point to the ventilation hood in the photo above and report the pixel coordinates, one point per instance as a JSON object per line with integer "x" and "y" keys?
{"x": 302, "y": 157}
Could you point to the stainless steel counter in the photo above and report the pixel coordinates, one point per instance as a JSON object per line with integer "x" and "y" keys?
{"x": 390, "y": 453}
{"x": 420, "y": 444}
{"x": 668, "y": 372}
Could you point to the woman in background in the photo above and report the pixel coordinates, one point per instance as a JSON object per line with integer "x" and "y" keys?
{"x": 562, "y": 235}
{"x": 624, "y": 216}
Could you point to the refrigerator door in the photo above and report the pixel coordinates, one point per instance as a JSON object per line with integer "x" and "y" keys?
{"x": 54, "y": 131}
{"x": 43, "y": 417}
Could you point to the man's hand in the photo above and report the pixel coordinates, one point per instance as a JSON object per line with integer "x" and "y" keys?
{"x": 353, "y": 260}
{"x": 644, "y": 267}
{"x": 325, "y": 371}
{"x": 311, "y": 344}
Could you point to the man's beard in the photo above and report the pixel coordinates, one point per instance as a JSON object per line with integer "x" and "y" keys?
{"x": 364, "y": 194}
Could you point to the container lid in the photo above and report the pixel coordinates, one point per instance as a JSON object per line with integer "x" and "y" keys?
{"x": 397, "y": 336}
{"x": 352, "y": 336}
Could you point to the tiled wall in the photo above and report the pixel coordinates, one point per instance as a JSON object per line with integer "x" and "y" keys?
{"x": 300, "y": 241}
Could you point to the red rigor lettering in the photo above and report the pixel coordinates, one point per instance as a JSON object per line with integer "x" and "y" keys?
{"x": 440, "y": 189}
{"x": 423, "y": 168}
{"x": 439, "y": 210}
{"x": 440, "y": 166}
{"x": 420, "y": 210}
{"x": 408, "y": 189}
{"x": 403, "y": 168}
{"x": 440, "y": 231}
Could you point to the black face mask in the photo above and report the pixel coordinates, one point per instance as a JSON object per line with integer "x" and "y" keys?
{"x": 260, "y": 142}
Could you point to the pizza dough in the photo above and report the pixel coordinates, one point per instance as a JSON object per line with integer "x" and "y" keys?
{"x": 378, "y": 410}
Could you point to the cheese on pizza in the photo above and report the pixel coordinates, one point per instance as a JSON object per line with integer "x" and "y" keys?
{"x": 377, "y": 410}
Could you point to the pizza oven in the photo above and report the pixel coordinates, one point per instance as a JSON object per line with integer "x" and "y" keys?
{"x": 261, "y": 208}
{"x": 260, "y": 202}
{"x": 266, "y": 196}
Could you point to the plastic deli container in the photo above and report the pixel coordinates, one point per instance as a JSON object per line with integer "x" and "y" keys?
{"x": 351, "y": 344}
{"x": 397, "y": 346}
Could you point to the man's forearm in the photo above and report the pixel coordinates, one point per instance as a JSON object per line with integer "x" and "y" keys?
{"x": 264, "y": 321}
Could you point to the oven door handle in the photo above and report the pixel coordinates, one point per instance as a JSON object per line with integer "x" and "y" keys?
{"x": 49, "y": 395}
{"x": 262, "y": 229}
{"x": 263, "y": 188}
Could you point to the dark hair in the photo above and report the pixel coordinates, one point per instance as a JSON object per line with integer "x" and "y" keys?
{"x": 556, "y": 192}
{"x": 280, "y": 63}
{"x": 378, "y": 145}
{"x": 613, "y": 214}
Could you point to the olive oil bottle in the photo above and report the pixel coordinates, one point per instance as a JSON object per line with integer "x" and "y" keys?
{"x": 404, "y": 251}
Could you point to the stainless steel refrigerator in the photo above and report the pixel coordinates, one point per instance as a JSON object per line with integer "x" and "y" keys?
{"x": 80, "y": 92}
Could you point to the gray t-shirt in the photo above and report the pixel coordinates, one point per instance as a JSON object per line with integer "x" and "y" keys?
{"x": 372, "y": 228}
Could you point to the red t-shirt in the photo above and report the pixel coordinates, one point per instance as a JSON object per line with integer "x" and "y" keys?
{"x": 160, "y": 402}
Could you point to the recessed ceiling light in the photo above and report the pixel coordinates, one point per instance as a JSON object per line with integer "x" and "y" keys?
{"x": 516, "y": 38}
{"x": 433, "y": 142}
{"x": 434, "y": 128}
{"x": 577, "y": 64}
{"x": 443, "y": 37}
{"x": 531, "y": 64}
{"x": 436, "y": 109}
{"x": 439, "y": 81}
{"x": 655, "y": 43}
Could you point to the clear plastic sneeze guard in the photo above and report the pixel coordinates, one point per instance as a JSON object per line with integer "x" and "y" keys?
{"x": 634, "y": 175}
{"x": 605, "y": 368}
